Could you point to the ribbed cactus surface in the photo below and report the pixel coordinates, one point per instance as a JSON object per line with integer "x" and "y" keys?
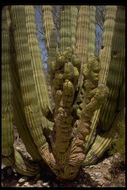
{"x": 109, "y": 113}
{"x": 74, "y": 16}
{"x": 7, "y": 109}
{"x": 48, "y": 22}
{"x": 65, "y": 29}
{"x": 92, "y": 27}
{"x": 50, "y": 34}
{"x": 37, "y": 66}
{"x": 103, "y": 142}
{"x": 31, "y": 106}
{"x": 82, "y": 34}
{"x": 105, "y": 52}
{"x": 116, "y": 72}
{"x": 105, "y": 58}
{"x": 24, "y": 64}
{"x": 79, "y": 125}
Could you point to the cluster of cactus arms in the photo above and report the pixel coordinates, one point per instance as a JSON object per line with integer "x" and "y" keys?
{"x": 88, "y": 90}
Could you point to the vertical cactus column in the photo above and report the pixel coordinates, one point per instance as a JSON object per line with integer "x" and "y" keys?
{"x": 31, "y": 106}
{"x": 93, "y": 99}
{"x": 105, "y": 52}
{"x": 116, "y": 71}
{"x": 7, "y": 109}
{"x": 105, "y": 58}
{"x": 19, "y": 116}
{"x": 37, "y": 66}
{"x": 48, "y": 23}
{"x": 64, "y": 89}
{"x": 50, "y": 35}
{"x": 82, "y": 34}
{"x": 65, "y": 28}
{"x": 110, "y": 111}
{"x": 103, "y": 141}
{"x": 74, "y": 16}
{"x": 92, "y": 33}
{"x": 9, "y": 152}
{"x": 81, "y": 50}
{"x": 85, "y": 47}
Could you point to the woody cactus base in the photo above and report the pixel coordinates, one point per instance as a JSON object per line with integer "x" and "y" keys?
{"x": 60, "y": 132}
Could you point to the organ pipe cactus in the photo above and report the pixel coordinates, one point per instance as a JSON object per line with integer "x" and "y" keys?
{"x": 83, "y": 85}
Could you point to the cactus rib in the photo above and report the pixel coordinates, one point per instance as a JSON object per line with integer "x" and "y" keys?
{"x": 31, "y": 106}
{"x": 7, "y": 108}
{"x": 105, "y": 58}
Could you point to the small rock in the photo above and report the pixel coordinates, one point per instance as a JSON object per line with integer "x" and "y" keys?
{"x": 26, "y": 184}
{"x": 100, "y": 182}
{"x": 39, "y": 183}
{"x": 92, "y": 166}
{"x": 17, "y": 185}
{"x": 108, "y": 177}
{"x": 106, "y": 161}
{"x": 23, "y": 179}
{"x": 2, "y": 184}
{"x": 83, "y": 185}
{"x": 46, "y": 184}
{"x": 3, "y": 166}
{"x": 98, "y": 174}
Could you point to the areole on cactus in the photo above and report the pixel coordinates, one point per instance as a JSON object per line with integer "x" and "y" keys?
{"x": 84, "y": 88}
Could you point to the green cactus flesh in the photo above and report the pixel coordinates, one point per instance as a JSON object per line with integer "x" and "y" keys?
{"x": 48, "y": 23}
{"x": 37, "y": 66}
{"x": 115, "y": 74}
{"x": 102, "y": 142}
{"x": 7, "y": 108}
{"x": 65, "y": 30}
{"x": 31, "y": 106}
{"x": 105, "y": 53}
{"x": 24, "y": 166}
{"x": 87, "y": 91}
{"x": 91, "y": 48}
{"x": 82, "y": 34}
{"x": 105, "y": 58}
